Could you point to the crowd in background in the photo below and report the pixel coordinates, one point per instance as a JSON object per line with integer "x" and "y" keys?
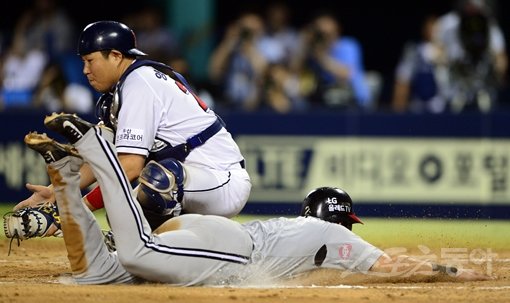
{"x": 262, "y": 62}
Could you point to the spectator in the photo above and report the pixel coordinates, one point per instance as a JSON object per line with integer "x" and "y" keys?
{"x": 237, "y": 65}
{"x": 331, "y": 65}
{"x": 44, "y": 35}
{"x": 50, "y": 29}
{"x": 55, "y": 93}
{"x": 281, "y": 89}
{"x": 21, "y": 69}
{"x": 153, "y": 36}
{"x": 474, "y": 49}
{"x": 418, "y": 75}
{"x": 281, "y": 39}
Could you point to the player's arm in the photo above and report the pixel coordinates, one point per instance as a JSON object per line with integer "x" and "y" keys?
{"x": 132, "y": 165}
{"x": 500, "y": 64}
{"x": 42, "y": 194}
{"x": 339, "y": 70}
{"x": 403, "y": 265}
{"x": 221, "y": 55}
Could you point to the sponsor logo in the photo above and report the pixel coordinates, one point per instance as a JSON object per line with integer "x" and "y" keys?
{"x": 130, "y": 135}
{"x": 333, "y": 205}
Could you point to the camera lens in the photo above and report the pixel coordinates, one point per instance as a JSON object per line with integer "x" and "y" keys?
{"x": 246, "y": 33}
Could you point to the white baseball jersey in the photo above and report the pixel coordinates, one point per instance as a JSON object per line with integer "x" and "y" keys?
{"x": 155, "y": 111}
{"x": 190, "y": 249}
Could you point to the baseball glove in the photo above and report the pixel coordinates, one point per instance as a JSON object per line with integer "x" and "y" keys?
{"x": 32, "y": 222}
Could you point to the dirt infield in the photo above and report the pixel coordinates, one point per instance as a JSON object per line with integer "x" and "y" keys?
{"x": 36, "y": 272}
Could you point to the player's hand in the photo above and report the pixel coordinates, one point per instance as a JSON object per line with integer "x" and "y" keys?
{"x": 41, "y": 194}
{"x": 471, "y": 275}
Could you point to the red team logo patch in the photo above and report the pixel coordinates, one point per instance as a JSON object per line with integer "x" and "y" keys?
{"x": 345, "y": 251}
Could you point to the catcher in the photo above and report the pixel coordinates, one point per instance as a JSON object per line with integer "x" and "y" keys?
{"x": 194, "y": 249}
{"x": 155, "y": 115}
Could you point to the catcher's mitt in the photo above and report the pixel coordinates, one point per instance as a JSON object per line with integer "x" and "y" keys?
{"x": 32, "y": 222}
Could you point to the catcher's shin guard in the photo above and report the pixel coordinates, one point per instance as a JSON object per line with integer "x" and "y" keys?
{"x": 161, "y": 190}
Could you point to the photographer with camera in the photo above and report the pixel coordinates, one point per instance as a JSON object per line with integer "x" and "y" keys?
{"x": 420, "y": 74}
{"x": 237, "y": 66}
{"x": 331, "y": 65}
{"x": 473, "y": 47}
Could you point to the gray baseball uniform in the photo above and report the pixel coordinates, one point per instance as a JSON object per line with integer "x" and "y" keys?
{"x": 190, "y": 249}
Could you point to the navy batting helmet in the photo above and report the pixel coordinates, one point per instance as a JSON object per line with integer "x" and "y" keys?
{"x": 330, "y": 204}
{"x": 108, "y": 35}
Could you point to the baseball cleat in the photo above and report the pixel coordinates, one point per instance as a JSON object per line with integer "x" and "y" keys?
{"x": 49, "y": 149}
{"x": 69, "y": 125}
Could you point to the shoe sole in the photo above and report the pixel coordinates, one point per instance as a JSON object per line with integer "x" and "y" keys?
{"x": 49, "y": 119}
{"x": 54, "y": 116}
{"x": 34, "y": 140}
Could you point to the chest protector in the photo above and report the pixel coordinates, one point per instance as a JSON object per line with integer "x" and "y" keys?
{"x": 109, "y": 104}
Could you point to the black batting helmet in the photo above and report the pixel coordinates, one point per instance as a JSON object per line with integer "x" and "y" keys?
{"x": 108, "y": 35}
{"x": 330, "y": 204}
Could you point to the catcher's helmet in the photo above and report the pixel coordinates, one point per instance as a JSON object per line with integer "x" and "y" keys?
{"x": 108, "y": 35}
{"x": 330, "y": 204}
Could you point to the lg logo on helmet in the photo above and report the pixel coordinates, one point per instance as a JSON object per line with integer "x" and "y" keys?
{"x": 332, "y": 200}
{"x": 333, "y": 205}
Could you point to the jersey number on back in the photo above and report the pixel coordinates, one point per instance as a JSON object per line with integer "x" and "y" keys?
{"x": 186, "y": 91}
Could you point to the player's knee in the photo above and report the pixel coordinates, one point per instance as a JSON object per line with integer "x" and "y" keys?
{"x": 130, "y": 262}
{"x": 161, "y": 190}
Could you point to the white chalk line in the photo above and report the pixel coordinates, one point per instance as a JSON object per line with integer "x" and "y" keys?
{"x": 403, "y": 287}
{"x": 406, "y": 287}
